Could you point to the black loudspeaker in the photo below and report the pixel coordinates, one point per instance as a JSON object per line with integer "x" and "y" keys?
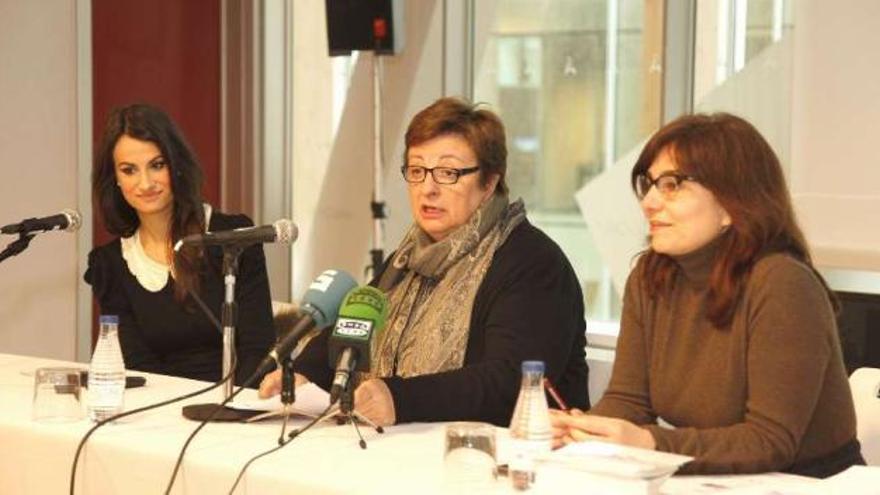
{"x": 364, "y": 25}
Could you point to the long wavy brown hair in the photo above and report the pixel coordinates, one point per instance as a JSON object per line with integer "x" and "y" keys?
{"x": 730, "y": 158}
{"x": 148, "y": 123}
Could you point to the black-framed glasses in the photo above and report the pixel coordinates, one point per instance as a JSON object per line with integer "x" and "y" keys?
{"x": 668, "y": 184}
{"x": 442, "y": 175}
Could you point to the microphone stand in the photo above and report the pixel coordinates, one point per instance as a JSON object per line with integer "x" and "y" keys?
{"x": 377, "y": 204}
{"x": 346, "y": 408}
{"x": 288, "y": 393}
{"x": 201, "y": 412}
{"x": 228, "y": 312}
{"x": 16, "y": 246}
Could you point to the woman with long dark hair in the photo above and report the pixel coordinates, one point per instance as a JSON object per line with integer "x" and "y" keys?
{"x": 728, "y": 332}
{"x": 146, "y": 184}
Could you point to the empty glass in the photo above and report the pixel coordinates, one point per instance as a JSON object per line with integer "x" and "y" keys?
{"x": 469, "y": 461}
{"x": 57, "y": 393}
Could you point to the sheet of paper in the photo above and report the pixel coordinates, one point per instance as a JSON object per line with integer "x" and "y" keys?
{"x": 617, "y": 460}
{"x": 855, "y": 480}
{"x": 742, "y": 484}
{"x": 311, "y": 400}
{"x": 612, "y": 213}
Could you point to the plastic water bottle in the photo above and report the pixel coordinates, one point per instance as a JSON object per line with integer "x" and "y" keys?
{"x": 106, "y": 372}
{"x": 530, "y": 427}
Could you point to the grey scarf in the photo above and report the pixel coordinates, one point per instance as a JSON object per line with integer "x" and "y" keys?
{"x": 431, "y": 288}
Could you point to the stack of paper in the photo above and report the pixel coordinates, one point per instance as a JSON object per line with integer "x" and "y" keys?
{"x": 617, "y": 460}
{"x": 311, "y": 402}
{"x": 602, "y": 468}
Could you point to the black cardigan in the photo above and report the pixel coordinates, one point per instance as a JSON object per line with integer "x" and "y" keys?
{"x": 160, "y": 335}
{"x": 529, "y": 306}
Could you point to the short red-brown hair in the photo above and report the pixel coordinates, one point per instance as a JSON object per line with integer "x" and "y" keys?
{"x": 480, "y": 128}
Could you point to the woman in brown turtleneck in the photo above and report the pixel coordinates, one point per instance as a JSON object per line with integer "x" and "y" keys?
{"x": 728, "y": 332}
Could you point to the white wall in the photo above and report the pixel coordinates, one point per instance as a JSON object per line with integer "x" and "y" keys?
{"x": 332, "y": 178}
{"x": 38, "y": 162}
{"x": 835, "y": 173}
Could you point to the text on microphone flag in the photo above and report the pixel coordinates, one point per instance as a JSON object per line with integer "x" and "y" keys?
{"x": 353, "y": 328}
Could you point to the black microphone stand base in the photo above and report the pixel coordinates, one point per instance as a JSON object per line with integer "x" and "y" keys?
{"x": 202, "y": 412}
{"x": 340, "y": 417}
{"x": 346, "y": 411}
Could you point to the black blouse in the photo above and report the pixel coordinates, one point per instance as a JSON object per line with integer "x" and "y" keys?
{"x": 160, "y": 335}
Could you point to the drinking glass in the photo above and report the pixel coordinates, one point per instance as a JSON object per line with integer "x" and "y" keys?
{"x": 57, "y": 395}
{"x": 469, "y": 459}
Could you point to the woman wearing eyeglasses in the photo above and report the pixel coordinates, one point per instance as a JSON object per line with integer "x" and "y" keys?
{"x": 728, "y": 332}
{"x": 473, "y": 288}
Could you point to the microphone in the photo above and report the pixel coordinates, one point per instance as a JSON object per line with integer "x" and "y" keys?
{"x": 361, "y": 316}
{"x": 68, "y": 221}
{"x": 319, "y": 308}
{"x": 283, "y": 231}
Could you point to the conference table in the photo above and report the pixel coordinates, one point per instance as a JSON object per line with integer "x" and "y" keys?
{"x": 137, "y": 454}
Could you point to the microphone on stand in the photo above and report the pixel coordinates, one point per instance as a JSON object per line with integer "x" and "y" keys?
{"x": 361, "y": 317}
{"x": 282, "y": 231}
{"x": 68, "y": 221}
{"x": 320, "y": 307}
{"x": 27, "y": 229}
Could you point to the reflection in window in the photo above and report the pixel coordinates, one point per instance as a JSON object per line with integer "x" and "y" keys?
{"x": 577, "y": 84}
{"x": 730, "y": 33}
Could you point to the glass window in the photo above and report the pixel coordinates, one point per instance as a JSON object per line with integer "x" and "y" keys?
{"x": 577, "y": 83}
{"x": 730, "y": 34}
{"x": 743, "y": 65}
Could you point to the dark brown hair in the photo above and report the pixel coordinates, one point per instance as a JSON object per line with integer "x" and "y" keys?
{"x": 480, "y": 128}
{"x": 148, "y": 123}
{"x": 730, "y": 158}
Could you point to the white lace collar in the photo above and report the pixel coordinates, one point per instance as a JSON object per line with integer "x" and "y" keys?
{"x": 151, "y": 274}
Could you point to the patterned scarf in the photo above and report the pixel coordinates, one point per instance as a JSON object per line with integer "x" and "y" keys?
{"x": 431, "y": 288}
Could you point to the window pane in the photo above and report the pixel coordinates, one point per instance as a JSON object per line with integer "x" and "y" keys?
{"x": 546, "y": 72}
{"x": 757, "y": 33}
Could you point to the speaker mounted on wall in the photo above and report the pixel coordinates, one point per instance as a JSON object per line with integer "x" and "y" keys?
{"x": 364, "y": 25}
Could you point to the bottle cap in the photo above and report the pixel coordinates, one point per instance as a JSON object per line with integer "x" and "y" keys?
{"x": 109, "y": 319}
{"x": 532, "y": 366}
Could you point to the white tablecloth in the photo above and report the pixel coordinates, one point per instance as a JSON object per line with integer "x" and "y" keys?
{"x": 137, "y": 455}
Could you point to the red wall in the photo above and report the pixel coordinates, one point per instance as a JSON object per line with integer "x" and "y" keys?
{"x": 167, "y": 53}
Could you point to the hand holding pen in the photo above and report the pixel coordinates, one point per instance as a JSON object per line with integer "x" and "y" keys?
{"x": 572, "y": 425}
{"x": 554, "y": 394}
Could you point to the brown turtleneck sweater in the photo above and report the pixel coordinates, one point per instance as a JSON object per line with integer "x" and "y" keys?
{"x": 769, "y": 393}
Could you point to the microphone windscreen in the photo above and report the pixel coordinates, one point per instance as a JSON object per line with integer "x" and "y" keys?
{"x": 361, "y": 318}
{"x": 74, "y": 220}
{"x": 365, "y": 303}
{"x": 285, "y": 231}
{"x": 325, "y": 295}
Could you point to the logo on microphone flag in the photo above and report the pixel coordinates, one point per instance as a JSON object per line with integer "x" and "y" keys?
{"x": 353, "y": 328}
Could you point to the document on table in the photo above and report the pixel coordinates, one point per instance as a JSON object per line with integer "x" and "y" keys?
{"x": 311, "y": 401}
{"x": 857, "y": 480}
{"x": 766, "y": 484}
{"x": 617, "y": 460}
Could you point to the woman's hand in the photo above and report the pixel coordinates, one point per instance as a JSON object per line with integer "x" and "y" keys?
{"x": 271, "y": 384}
{"x": 373, "y": 399}
{"x": 560, "y": 427}
{"x": 578, "y": 427}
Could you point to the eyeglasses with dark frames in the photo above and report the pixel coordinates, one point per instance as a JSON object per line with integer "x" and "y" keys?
{"x": 668, "y": 184}
{"x": 442, "y": 175}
